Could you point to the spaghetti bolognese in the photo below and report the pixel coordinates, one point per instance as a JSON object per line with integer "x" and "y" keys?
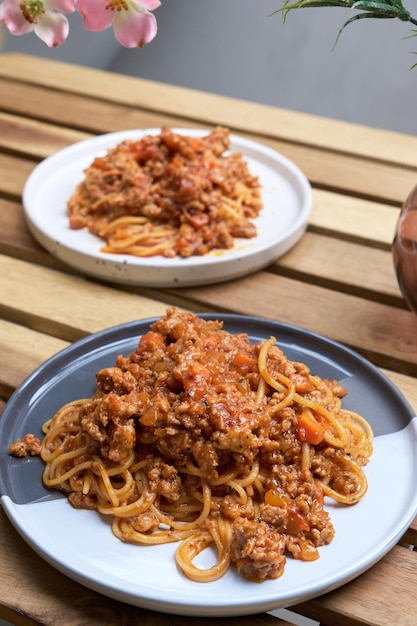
{"x": 203, "y": 438}
{"x": 168, "y": 194}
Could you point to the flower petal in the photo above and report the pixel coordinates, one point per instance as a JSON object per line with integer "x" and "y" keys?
{"x": 95, "y": 15}
{"x": 151, "y": 5}
{"x": 63, "y": 6}
{"x": 53, "y": 29}
{"x": 12, "y": 18}
{"x": 133, "y": 29}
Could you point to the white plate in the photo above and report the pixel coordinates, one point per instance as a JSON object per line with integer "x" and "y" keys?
{"x": 286, "y": 194}
{"x": 81, "y": 545}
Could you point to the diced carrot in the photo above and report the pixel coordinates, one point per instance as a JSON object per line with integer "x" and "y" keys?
{"x": 151, "y": 340}
{"x": 301, "y": 382}
{"x": 99, "y": 163}
{"x": 244, "y": 360}
{"x": 210, "y": 342}
{"x": 196, "y": 144}
{"x": 194, "y": 379}
{"x": 309, "y": 429}
{"x": 275, "y": 498}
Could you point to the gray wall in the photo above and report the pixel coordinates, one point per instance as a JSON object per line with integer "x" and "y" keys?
{"x": 235, "y": 47}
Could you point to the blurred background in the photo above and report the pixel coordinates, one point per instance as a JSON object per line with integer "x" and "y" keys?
{"x": 241, "y": 49}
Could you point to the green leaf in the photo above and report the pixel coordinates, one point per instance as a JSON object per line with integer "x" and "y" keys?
{"x": 389, "y": 9}
{"x": 361, "y": 16}
{"x": 398, "y": 4}
{"x": 304, "y": 4}
{"x": 413, "y": 34}
{"x": 371, "y": 9}
{"x": 415, "y": 64}
{"x": 386, "y": 8}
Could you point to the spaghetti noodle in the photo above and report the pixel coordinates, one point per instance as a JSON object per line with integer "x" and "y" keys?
{"x": 203, "y": 438}
{"x": 168, "y": 194}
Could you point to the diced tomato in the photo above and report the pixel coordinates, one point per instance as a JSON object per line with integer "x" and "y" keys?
{"x": 296, "y": 522}
{"x": 197, "y": 220}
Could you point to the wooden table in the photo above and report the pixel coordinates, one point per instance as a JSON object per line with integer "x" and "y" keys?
{"x": 338, "y": 280}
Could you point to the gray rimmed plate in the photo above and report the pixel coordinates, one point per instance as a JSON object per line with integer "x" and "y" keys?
{"x": 81, "y": 545}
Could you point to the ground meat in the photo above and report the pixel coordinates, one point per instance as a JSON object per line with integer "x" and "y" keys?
{"x": 164, "y": 480}
{"x": 232, "y": 509}
{"x": 114, "y": 379}
{"x": 144, "y": 523}
{"x": 257, "y": 550}
{"x": 346, "y": 482}
{"x": 331, "y": 467}
{"x": 107, "y": 421}
{"x": 82, "y": 501}
{"x": 187, "y": 196}
{"x": 336, "y": 388}
{"x": 29, "y": 444}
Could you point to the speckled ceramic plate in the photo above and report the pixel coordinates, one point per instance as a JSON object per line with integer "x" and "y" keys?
{"x": 286, "y": 195}
{"x": 81, "y": 545}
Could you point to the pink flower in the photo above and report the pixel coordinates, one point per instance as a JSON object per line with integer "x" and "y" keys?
{"x": 42, "y": 16}
{"x": 133, "y": 23}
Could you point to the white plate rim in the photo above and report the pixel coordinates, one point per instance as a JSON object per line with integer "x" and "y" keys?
{"x": 83, "y": 250}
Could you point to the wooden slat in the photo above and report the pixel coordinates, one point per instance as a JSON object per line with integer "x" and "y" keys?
{"x": 60, "y": 304}
{"x": 410, "y": 537}
{"x": 376, "y": 181}
{"x": 343, "y": 266}
{"x": 406, "y": 384}
{"x": 372, "y": 181}
{"x": 16, "y": 240}
{"x": 35, "y": 138}
{"x": 14, "y": 173}
{"x": 38, "y": 594}
{"x": 383, "y": 596}
{"x": 79, "y": 112}
{"x": 327, "y": 261}
{"x": 354, "y": 219}
{"x": 13, "y": 230}
{"x": 194, "y": 105}
{"x": 22, "y": 351}
{"x": 384, "y": 334}
{"x": 52, "y": 302}
{"x": 350, "y": 219}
